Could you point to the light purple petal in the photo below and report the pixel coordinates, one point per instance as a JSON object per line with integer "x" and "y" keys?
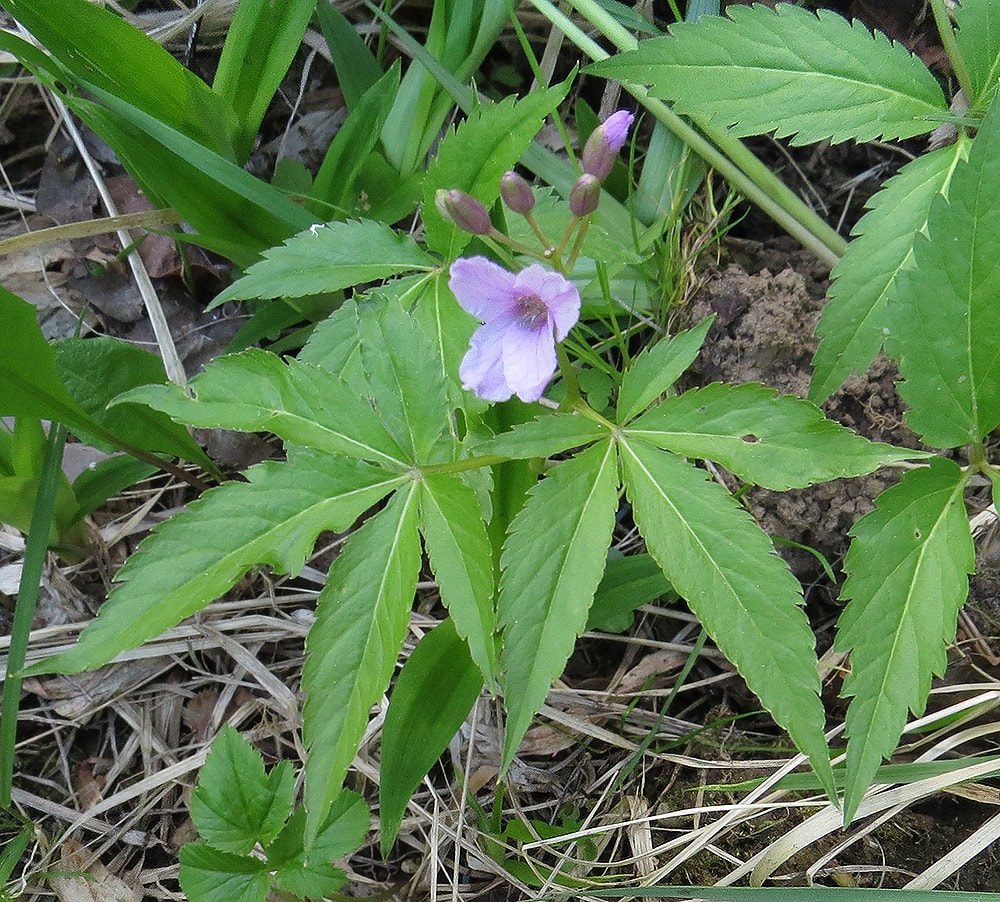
{"x": 481, "y": 370}
{"x": 615, "y": 129}
{"x": 481, "y": 287}
{"x": 556, "y": 292}
{"x": 529, "y": 360}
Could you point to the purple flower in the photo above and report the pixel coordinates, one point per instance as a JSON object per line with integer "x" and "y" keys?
{"x": 523, "y": 316}
{"x": 604, "y": 143}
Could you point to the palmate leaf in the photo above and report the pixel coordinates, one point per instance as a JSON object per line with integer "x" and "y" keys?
{"x": 303, "y": 404}
{"x": 326, "y": 258}
{"x": 461, "y": 556}
{"x": 548, "y": 434}
{"x": 778, "y": 442}
{"x": 907, "y": 568}
{"x": 811, "y": 77}
{"x": 360, "y": 625}
{"x": 979, "y": 43}
{"x": 856, "y": 319}
{"x": 945, "y": 325}
{"x": 196, "y": 556}
{"x": 552, "y": 564}
{"x": 744, "y": 595}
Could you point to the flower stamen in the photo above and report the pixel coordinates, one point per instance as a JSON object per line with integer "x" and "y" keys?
{"x": 530, "y": 311}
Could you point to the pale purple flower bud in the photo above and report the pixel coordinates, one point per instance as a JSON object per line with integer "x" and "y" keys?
{"x": 464, "y": 211}
{"x": 516, "y": 193}
{"x": 605, "y": 141}
{"x": 523, "y": 315}
{"x": 585, "y": 196}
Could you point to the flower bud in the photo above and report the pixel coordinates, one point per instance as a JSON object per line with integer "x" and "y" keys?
{"x": 585, "y": 196}
{"x": 604, "y": 143}
{"x": 464, "y": 211}
{"x": 516, "y": 193}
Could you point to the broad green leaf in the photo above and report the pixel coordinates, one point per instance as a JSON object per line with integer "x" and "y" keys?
{"x": 326, "y": 258}
{"x": 211, "y": 875}
{"x": 99, "y": 48}
{"x": 907, "y": 568}
{"x": 724, "y": 565}
{"x": 406, "y": 381}
{"x": 334, "y": 341}
{"x": 808, "y": 76}
{"x": 778, "y": 442}
{"x": 303, "y": 404}
{"x": 474, "y": 156}
{"x": 945, "y": 328}
{"x": 450, "y": 329}
{"x": 856, "y": 319}
{"x": 96, "y": 370}
{"x": 434, "y": 693}
{"x": 544, "y": 436}
{"x": 552, "y": 564}
{"x": 197, "y": 555}
{"x": 657, "y": 368}
{"x": 461, "y": 556}
{"x": 237, "y": 805}
{"x": 979, "y": 43}
{"x": 107, "y": 478}
{"x": 628, "y": 582}
{"x": 360, "y": 625}
{"x": 260, "y": 45}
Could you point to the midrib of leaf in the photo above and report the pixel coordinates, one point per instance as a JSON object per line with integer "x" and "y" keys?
{"x": 365, "y": 450}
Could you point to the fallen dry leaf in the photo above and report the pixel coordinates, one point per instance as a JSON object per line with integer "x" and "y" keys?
{"x": 89, "y": 884}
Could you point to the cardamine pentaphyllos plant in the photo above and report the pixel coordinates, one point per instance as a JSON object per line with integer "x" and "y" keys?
{"x": 397, "y": 427}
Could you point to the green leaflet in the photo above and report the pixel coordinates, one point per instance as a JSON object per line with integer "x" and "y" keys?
{"x": 548, "y": 434}
{"x": 214, "y": 876}
{"x": 303, "y": 404}
{"x": 196, "y": 556}
{"x": 326, "y": 258}
{"x": 778, "y": 442}
{"x": 788, "y": 71}
{"x": 978, "y": 39}
{"x": 552, "y": 563}
{"x": 461, "y": 556}
{"x": 945, "y": 326}
{"x": 474, "y": 156}
{"x": 724, "y": 565}
{"x": 908, "y": 569}
{"x": 434, "y": 693}
{"x": 657, "y": 368}
{"x": 361, "y": 622}
{"x": 237, "y": 805}
{"x": 856, "y": 319}
{"x": 405, "y": 380}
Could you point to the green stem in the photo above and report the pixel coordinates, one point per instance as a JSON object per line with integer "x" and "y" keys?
{"x": 729, "y": 156}
{"x": 573, "y": 396}
{"x": 958, "y": 64}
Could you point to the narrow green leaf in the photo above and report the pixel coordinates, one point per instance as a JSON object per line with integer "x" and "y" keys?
{"x": 405, "y": 379}
{"x": 260, "y": 45}
{"x": 908, "y": 569}
{"x": 856, "y": 319}
{"x": 945, "y": 328}
{"x": 474, "y": 156}
{"x": 357, "y": 68}
{"x": 450, "y": 329}
{"x": 552, "y": 564}
{"x": 199, "y": 554}
{"x": 461, "y": 556}
{"x": 360, "y": 625}
{"x": 327, "y": 258}
{"x": 628, "y": 582}
{"x": 548, "y": 434}
{"x": 809, "y": 76}
{"x": 96, "y": 370}
{"x": 979, "y": 43}
{"x": 211, "y": 875}
{"x": 657, "y": 368}
{"x": 434, "y": 693}
{"x": 237, "y": 805}
{"x": 724, "y": 565}
{"x": 101, "y": 49}
{"x": 778, "y": 442}
{"x": 255, "y": 391}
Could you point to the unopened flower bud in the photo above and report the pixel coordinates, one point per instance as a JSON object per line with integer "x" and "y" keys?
{"x": 585, "y": 196}
{"x": 464, "y": 211}
{"x": 516, "y": 193}
{"x": 605, "y": 141}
